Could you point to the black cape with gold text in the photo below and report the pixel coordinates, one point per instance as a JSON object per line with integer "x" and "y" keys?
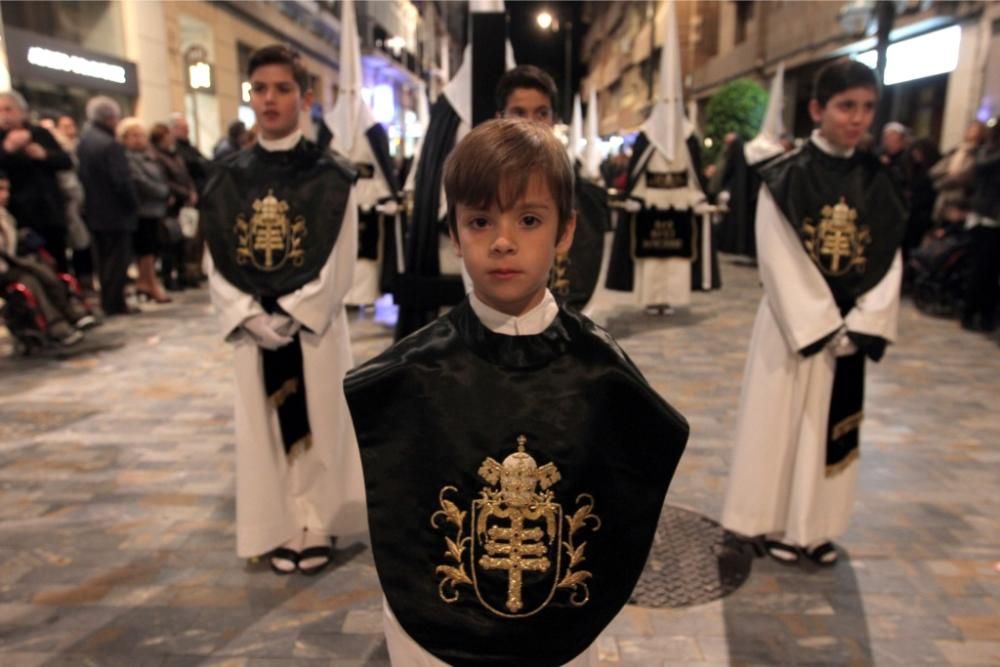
{"x": 573, "y": 281}
{"x": 270, "y": 247}
{"x": 442, "y": 486}
{"x": 853, "y": 253}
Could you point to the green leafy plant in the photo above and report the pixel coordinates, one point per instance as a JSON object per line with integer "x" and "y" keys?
{"x": 739, "y": 107}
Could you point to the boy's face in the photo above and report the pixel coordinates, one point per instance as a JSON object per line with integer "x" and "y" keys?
{"x": 276, "y": 99}
{"x": 531, "y": 104}
{"x": 508, "y": 254}
{"x": 4, "y": 192}
{"x": 846, "y": 116}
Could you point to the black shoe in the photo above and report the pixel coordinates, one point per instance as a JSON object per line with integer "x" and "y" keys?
{"x": 824, "y": 555}
{"x": 283, "y": 561}
{"x": 786, "y": 554}
{"x": 325, "y": 552}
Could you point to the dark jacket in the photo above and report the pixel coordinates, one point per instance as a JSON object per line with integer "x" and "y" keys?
{"x": 111, "y": 204}
{"x": 178, "y": 179}
{"x": 986, "y": 195}
{"x": 196, "y": 163}
{"x": 35, "y": 198}
{"x": 150, "y": 183}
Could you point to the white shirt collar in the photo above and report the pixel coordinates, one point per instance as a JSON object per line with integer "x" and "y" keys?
{"x": 533, "y": 322}
{"x": 286, "y": 143}
{"x": 827, "y": 147}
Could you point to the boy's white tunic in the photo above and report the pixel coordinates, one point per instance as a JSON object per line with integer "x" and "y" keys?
{"x": 403, "y": 651}
{"x": 777, "y": 482}
{"x": 321, "y": 488}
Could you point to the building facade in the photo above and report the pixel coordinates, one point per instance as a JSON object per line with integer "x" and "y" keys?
{"x": 159, "y": 57}
{"x": 936, "y": 86}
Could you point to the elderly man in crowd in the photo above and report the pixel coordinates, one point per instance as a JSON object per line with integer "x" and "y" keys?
{"x": 111, "y": 207}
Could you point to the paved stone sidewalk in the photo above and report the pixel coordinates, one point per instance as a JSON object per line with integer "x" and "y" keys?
{"x": 116, "y": 510}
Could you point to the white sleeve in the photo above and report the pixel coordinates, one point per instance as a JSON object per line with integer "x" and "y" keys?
{"x": 315, "y": 303}
{"x": 876, "y": 312}
{"x": 799, "y": 297}
{"x": 233, "y": 305}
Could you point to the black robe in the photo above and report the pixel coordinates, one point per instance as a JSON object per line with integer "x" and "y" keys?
{"x": 421, "y": 289}
{"x": 377, "y": 233}
{"x": 574, "y": 276}
{"x": 447, "y": 478}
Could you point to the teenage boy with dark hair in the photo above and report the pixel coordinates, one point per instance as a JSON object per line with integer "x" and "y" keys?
{"x": 829, "y": 226}
{"x": 516, "y": 489}
{"x": 528, "y": 92}
{"x": 280, "y": 222}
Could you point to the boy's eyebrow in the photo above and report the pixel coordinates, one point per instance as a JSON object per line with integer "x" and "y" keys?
{"x": 535, "y": 204}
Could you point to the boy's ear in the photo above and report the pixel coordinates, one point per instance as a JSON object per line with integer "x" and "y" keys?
{"x": 454, "y": 241}
{"x": 815, "y": 110}
{"x": 564, "y": 243}
{"x": 307, "y": 98}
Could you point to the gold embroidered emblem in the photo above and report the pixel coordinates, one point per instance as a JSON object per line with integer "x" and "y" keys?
{"x": 518, "y": 526}
{"x": 837, "y": 244}
{"x": 269, "y": 239}
{"x": 558, "y": 280}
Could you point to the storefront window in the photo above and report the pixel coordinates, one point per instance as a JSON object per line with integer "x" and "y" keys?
{"x": 95, "y": 25}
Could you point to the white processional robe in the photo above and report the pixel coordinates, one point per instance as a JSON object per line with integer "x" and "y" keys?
{"x": 321, "y": 488}
{"x": 403, "y": 650}
{"x": 777, "y": 481}
{"x": 666, "y": 281}
{"x": 368, "y": 191}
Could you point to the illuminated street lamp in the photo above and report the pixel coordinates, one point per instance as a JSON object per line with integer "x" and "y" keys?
{"x": 544, "y": 20}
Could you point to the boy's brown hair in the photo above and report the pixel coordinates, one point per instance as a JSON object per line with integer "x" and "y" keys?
{"x": 494, "y": 162}
{"x": 278, "y": 54}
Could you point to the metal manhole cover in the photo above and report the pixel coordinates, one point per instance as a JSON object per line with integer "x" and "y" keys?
{"x": 693, "y": 560}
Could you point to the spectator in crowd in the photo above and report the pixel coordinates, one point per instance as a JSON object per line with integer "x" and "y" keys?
{"x": 154, "y": 195}
{"x": 892, "y": 153}
{"x": 233, "y": 142}
{"x": 31, "y": 157}
{"x": 953, "y": 177}
{"x": 983, "y": 222}
{"x": 111, "y": 204}
{"x": 64, "y": 318}
{"x": 198, "y": 168}
{"x": 63, "y": 129}
{"x": 182, "y": 193}
{"x": 923, "y": 154}
{"x": 196, "y": 164}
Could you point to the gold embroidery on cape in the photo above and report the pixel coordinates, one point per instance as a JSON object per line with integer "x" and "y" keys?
{"x": 558, "y": 280}
{"x": 269, "y": 239}
{"x": 847, "y": 424}
{"x": 519, "y": 526}
{"x": 837, "y": 244}
{"x": 835, "y": 469}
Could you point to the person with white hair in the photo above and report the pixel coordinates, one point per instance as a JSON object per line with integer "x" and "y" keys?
{"x": 32, "y": 157}
{"x": 111, "y": 207}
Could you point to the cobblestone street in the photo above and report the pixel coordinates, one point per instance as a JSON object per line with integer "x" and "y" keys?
{"x": 117, "y": 538}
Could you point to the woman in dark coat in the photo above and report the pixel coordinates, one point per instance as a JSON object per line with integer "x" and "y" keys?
{"x": 183, "y": 193}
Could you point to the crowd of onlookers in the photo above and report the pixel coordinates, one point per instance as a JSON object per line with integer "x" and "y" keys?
{"x": 952, "y": 243}
{"x": 77, "y": 209}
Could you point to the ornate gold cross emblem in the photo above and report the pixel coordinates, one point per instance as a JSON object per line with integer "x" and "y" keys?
{"x": 519, "y": 528}
{"x": 269, "y": 238}
{"x": 837, "y": 244}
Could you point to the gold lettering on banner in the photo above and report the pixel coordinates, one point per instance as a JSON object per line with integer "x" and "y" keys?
{"x": 269, "y": 239}
{"x": 518, "y": 525}
{"x": 663, "y": 236}
{"x": 837, "y": 244}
